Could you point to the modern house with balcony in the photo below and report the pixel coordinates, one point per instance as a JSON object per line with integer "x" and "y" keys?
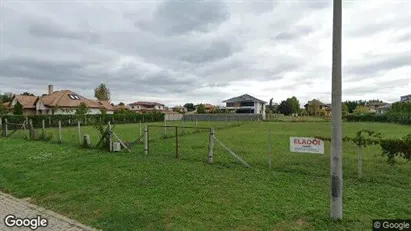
{"x": 142, "y": 107}
{"x": 246, "y": 104}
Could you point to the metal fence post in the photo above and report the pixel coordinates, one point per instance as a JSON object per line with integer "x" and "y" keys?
{"x": 60, "y": 139}
{"x": 176, "y": 142}
{"x": 6, "y": 129}
{"x": 211, "y": 147}
{"x": 79, "y": 131}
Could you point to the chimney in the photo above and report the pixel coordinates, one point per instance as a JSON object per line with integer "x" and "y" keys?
{"x": 51, "y": 89}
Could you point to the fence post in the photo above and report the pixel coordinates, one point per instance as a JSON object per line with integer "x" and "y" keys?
{"x": 49, "y": 121}
{"x": 269, "y": 149}
{"x": 182, "y": 126}
{"x": 31, "y": 130}
{"x": 165, "y": 128}
{"x": 6, "y": 130}
{"x": 360, "y": 157}
{"x": 60, "y": 140}
{"x": 1, "y": 122}
{"x": 140, "y": 128}
{"x": 43, "y": 128}
{"x": 146, "y": 140}
{"x": 176, "y": 142}
{"x": 110, "y": 137}
{"x": 69, "y": 122}
{"x": 211, "y": 147}
{"x": 79, "y": 131}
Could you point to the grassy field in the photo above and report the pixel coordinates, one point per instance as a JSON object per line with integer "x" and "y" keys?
{"x": 131, "y": 191}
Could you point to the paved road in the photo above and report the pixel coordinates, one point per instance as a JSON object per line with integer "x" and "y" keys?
{"x": 23, "y": 209}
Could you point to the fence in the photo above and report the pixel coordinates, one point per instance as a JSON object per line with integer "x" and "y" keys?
{"x": 173, "y": 117}
{"x": 223, "y": 117}
{"x": 72, "y": 120}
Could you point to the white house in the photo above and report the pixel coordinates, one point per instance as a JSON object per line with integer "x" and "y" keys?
{"x": 142, "y": 107}
{"x": 246, "y": 104}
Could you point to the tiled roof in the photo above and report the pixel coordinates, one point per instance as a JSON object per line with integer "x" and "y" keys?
{"x": 106, "y": 104}
{"x": 245, "y": 97}
{"x": 28, "y": 102}
{"x": 62, "y": 99}
{"x": 146, "y": 103}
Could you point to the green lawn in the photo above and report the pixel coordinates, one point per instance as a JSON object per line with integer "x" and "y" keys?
{"x": 131, "y": 191}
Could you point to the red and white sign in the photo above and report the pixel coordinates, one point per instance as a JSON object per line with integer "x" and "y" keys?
{"x": 307, "y": 145}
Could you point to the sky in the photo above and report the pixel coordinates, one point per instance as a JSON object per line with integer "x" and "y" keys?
{"x": 176, "y": 52}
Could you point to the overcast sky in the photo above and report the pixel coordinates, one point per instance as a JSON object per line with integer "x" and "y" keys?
{"x": 175, "y": 52}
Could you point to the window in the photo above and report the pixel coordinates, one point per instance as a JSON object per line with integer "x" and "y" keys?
{"x": 74, "y": 97}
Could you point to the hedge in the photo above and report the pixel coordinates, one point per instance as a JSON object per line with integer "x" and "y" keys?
{"x": 391, "y": 117}
{"x": 71, "y": 120}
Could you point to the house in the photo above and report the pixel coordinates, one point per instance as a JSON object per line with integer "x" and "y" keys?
{"x": 246, "y": 104}
{"x": 373, "y": 106}
{"x": 142, "y": 107}
{"x": 323, "y": 108}
{"x": 58, "y": 102}
{"x": 209, "y": 108}
{"x": 383, "y": 108}
{"x": 28, "y": 103}
{"x": 180, "y": 109}
{"x": 406, "y": 98}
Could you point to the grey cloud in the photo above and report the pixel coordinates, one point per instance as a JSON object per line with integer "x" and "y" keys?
{"x": 317, "y": 4}
{"x": 373, "y": 66}
{"x": 216, "y": 51}
{"x": 53, "y": 31}
{"x": 180, "y": 17}
{"x": 295, "y": 33}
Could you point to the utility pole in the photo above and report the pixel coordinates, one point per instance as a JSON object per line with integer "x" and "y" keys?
{"x": 336, "y": 204}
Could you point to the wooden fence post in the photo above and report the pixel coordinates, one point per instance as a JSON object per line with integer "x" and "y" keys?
{"x": 6, "y": 129}
{"x": 165, "y": 128}
{"x": 269, "y": 149}
{"x": 79, "y": 131}
{"x": 110, "y": 136}
{"x": 60, "y": 139}
{"x": 43, "y": 128}
{"x": 176, "y": 142}
{"x": 211, "y": 147}
{"x": 146, "y": 140}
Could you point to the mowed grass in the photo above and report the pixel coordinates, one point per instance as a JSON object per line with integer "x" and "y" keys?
{"x": 131, "y": 191}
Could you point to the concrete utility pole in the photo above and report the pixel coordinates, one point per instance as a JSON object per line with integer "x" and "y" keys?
{"x": 336, "y": 204}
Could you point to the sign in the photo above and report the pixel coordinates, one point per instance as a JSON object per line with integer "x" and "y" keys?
{"x": 307, "y": 145}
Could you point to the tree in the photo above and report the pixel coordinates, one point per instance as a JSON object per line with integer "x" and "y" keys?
{"x": 295, "y": 104}
{"x": 285, "y": 107}
{"x": 121, "y": 104}
{"x": 313, "y": 107}
{"x": 361, "y": 109}
{"x": 6, "y": 97}
{"x": 190, "y": 106}
{"x": 82, "y": 109}
{"x": 27, "y": 93}
{"x": 18, "y": 109}
{"x": 3, "y": 109}
{"x": 102, "y": 92}
{"x": 201, "y": 109}
{"x": 344, "y": 109}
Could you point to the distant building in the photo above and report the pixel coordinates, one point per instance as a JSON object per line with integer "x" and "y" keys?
{"x": 58, "y": 102}
{"x": 246, "y": 104}
{"x": 406, "y": 98}
{"x": 143, "y": 107}
{"x": 383, "y": 108}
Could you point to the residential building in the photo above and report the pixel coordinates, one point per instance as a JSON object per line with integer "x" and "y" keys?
{"x": 406, "y": 98}
{"x": 324, "y": 109}
{"x": 58, "y": 102}
{"x": 246, "y": 104}
{"x": 373, "y": 106}
{"x": 179, "y": 109}
{"x": 142, "y": 107}
{"x": 209, "y": 108}
{"x": 383, "y": 108}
